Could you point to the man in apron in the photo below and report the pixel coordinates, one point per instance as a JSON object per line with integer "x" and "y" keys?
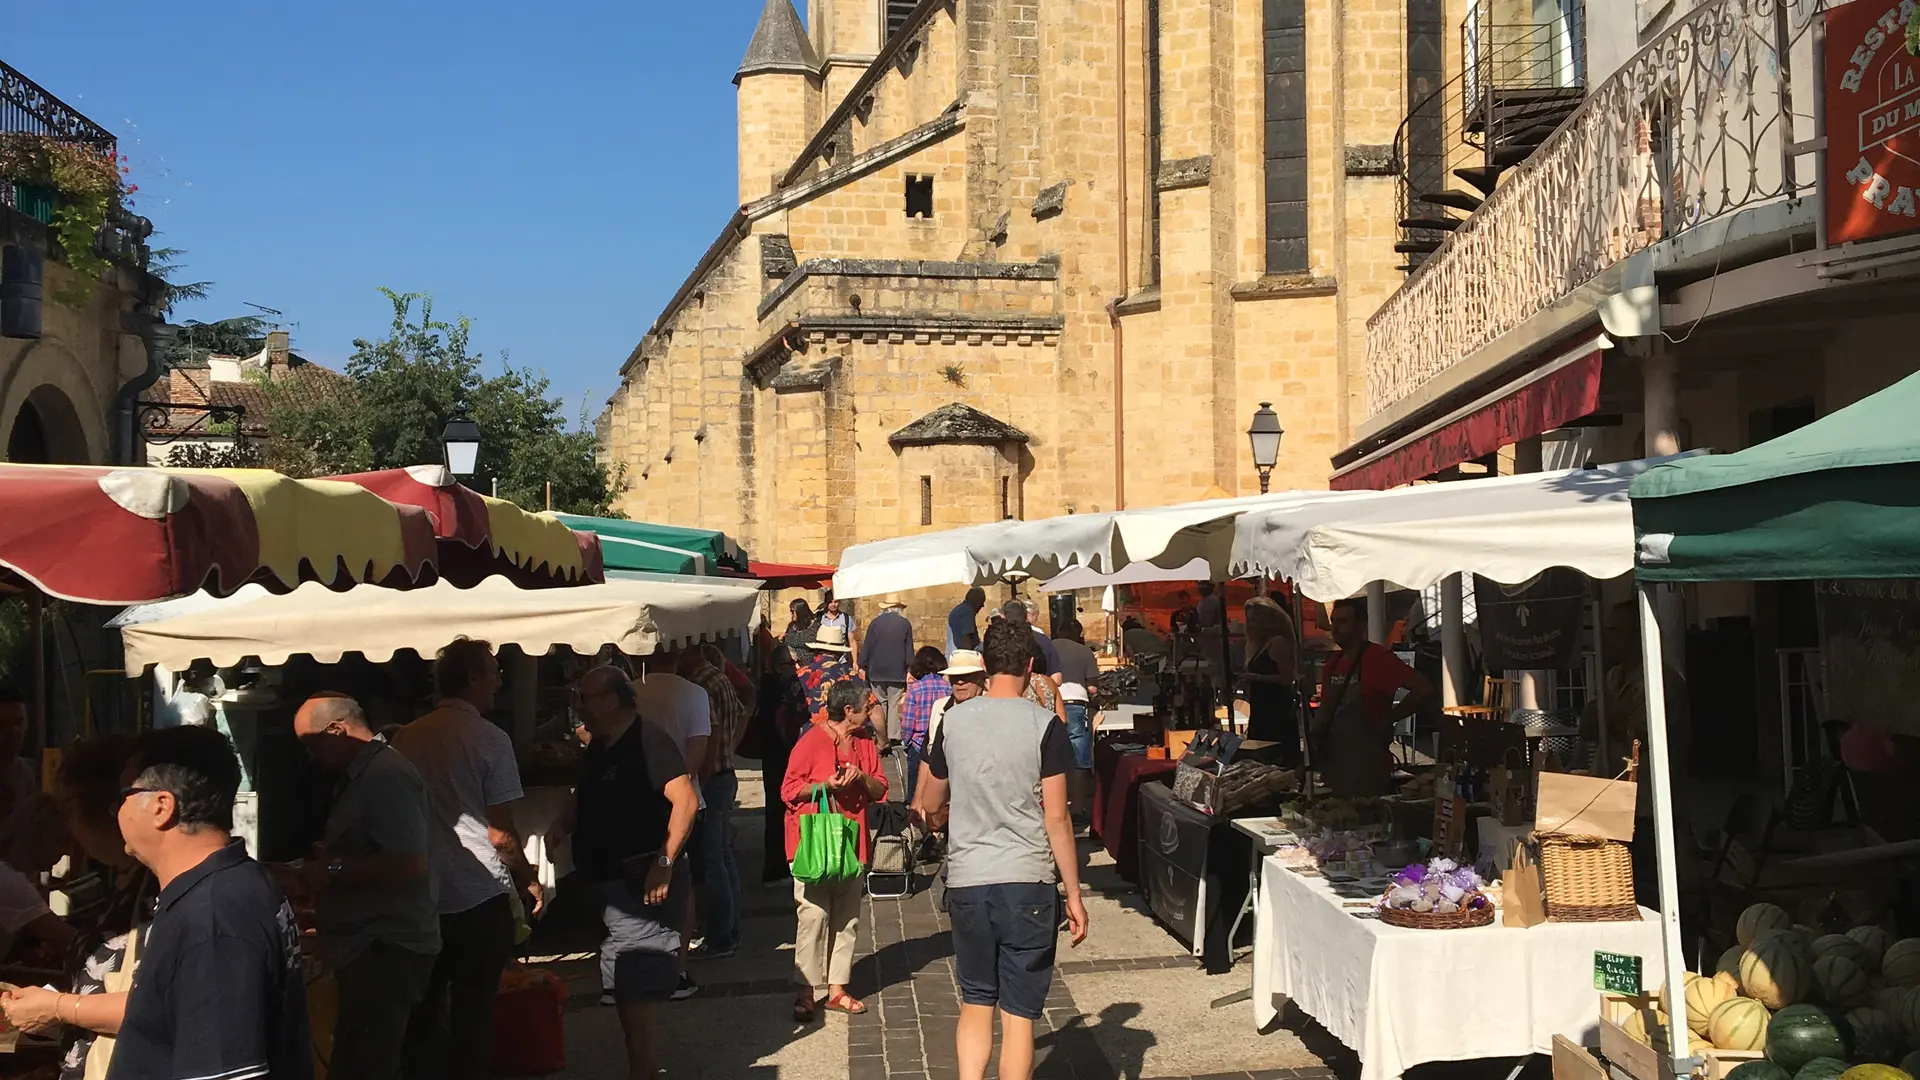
{"x": 1353, "y": 726}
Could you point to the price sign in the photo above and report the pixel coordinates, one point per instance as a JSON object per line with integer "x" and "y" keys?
{"x": 1617, "y": 973}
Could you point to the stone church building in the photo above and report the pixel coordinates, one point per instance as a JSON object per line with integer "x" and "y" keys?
{"x": 1022, "y": 258}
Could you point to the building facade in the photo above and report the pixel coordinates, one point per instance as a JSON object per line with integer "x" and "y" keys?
{"x": 1009, "y": 258}
{"x": 216, "y": 409}
{"x": 78, "y": 333}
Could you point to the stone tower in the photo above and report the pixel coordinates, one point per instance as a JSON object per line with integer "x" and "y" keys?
{"x": 779, "y": 98}
{"x": 847, "y": 35}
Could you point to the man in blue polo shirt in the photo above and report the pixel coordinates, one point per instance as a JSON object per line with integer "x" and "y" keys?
{"x": 220, "y": 990}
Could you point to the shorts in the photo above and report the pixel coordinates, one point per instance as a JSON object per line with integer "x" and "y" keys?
{"x": 1080, "y": 733}
{"x": 1003, "y": 944}
{"x": 640, "y": 958}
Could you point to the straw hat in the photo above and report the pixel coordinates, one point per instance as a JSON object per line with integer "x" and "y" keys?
{"x": 965, "y": 662}
{"x": 830, "y": 639}
{"x": 894, "y": 605}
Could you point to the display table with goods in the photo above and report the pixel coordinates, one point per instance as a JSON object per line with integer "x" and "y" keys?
{"x": 1404, "y": 995}
{"x": 1119, "y": 768}
{"x": 1786, "y": 1002}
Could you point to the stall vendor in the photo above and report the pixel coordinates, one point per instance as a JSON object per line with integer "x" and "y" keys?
{"x": 1353, "y": 727}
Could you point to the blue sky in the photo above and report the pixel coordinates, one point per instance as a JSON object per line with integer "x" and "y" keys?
{"x": 551, "y": 169}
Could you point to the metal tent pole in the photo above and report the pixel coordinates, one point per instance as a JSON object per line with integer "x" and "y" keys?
{"x": 1654, "y": 682}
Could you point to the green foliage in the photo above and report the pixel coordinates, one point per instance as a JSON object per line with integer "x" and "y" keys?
{"x": 194, "y": 341}
{"x": 198, "y": 455}
{"x": 87, "y": 178}
{"x": 406, "y": 385}
{"x": 164, "y": 264}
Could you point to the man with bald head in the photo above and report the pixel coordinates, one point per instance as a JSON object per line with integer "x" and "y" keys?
{"x": 372, "y": 886}
{"x": 634, "y": 805}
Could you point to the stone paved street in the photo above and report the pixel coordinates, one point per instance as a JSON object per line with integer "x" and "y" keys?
{"x": 1129, "y": 1003}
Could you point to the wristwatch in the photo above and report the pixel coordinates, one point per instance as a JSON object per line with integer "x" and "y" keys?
{"x": 336, "y": 867}
{"x": 663, "y": 862}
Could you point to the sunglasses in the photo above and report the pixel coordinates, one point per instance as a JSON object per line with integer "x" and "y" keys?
{"x": 129, "y": 792}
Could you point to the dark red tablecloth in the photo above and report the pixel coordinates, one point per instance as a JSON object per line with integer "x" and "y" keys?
{"x": 1116, "y": 796}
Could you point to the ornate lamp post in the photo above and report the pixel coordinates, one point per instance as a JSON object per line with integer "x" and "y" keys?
{"x": 460, "y": 439}
{"x": 1264, "y": 433}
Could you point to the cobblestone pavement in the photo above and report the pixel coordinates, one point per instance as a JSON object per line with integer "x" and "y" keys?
{"x": 1130, "y": 1003}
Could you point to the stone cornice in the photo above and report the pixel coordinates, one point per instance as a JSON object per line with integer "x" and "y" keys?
{"x": 872, "y": 158}
{"x": 904, "y": 268}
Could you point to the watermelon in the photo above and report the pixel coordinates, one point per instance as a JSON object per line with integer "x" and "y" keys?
{"x": 1900, "y": 964}
{"x": 1798, "y": 1034}
{"x": 1824, "y": 1068}
{"x": 1842, "y": 945}
{"x": 1842, "y": 980}
{"x": 1775, "y": 972}
{"x": 1738, "y": 1024}
{"x": 1875, "y": 941}
{"x": 1876, "y": 1036}
{"x": 1758, "y": 1070}
{"x": 1875, "y": 1072}
{"x": 1759, "y": 919}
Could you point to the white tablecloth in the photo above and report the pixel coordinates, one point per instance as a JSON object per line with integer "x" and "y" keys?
{"x": 1400, "y": 998}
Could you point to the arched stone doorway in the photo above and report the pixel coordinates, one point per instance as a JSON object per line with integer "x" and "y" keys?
{"x": 47, "y": 430}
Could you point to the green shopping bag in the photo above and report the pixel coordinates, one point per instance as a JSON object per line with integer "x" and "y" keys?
{"x": 829, "y": 843}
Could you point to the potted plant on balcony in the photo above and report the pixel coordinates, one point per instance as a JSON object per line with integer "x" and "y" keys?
{"x": 68, "y": 185}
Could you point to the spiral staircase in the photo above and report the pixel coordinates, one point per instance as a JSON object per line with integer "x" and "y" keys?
{"x": 1517, "y": 83}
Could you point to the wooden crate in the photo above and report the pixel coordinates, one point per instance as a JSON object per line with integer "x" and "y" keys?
{"x": 1571, "y": 1061}
{"x": 1643, "y": 1062}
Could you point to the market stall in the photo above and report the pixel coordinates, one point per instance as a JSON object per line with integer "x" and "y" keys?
{"x": 481, "y": 537}
{"x": 659, "y": 549}
{"x": 1833, "y": 500}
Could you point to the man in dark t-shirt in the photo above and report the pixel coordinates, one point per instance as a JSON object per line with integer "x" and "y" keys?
{"x": 220, "y": 990}
{"x": 634, "y": 807}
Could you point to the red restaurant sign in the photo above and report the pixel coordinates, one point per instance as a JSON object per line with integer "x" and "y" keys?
{"x": 1873, "y": 122}
{"x": 1551, "y": 401}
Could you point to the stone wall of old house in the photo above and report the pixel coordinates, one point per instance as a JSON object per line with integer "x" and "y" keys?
{"x": 71, "y": 375}
{"x": 762, "y": 402}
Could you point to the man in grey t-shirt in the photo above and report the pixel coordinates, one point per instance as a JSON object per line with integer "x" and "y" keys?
{"x": 1002, "y": 763}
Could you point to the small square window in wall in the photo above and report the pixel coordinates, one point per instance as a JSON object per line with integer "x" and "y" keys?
{"x": 926, "y": 500}
{"x": 919, "y": 196}
{"x": 1006, "y": 498}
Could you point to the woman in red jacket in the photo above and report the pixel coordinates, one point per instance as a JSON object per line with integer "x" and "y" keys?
{"x": 838, "y": 752}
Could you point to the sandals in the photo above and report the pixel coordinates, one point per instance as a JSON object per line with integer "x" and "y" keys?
{"x": 846, "y": 1003}
{"x": 803, "y": 1012}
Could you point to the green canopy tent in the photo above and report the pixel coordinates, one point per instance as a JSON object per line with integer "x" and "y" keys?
{"x": 1837, "y": 498}
{"x": 660, "y": 549}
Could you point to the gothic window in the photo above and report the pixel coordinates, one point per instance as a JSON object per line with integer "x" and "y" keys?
{"x": 1153, "y": 141}
{"x": 1284, "y": 48}
{"x": 926, "y": 500}
{"x": 919, "y": 196}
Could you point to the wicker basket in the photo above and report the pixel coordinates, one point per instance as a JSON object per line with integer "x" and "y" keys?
{"x": 1587, "y": 879}
{"x": 1427, "y": 920}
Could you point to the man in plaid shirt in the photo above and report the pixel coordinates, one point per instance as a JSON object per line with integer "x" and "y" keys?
{"x": 719, "y": 885}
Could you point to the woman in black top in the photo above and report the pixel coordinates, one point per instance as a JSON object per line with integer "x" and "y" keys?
{"x": 1272, "y": 703}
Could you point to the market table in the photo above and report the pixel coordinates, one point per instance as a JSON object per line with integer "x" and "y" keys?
{"x": 1116, "y": 798}
{"x": 1401, "y": 998}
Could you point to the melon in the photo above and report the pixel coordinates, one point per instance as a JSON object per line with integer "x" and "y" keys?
{"x": 1875, "y": 1072}
{"x": 1909, "y": 1063}
{"x": 1635, "y": 1027}
{"x": 1906, "y": 1013}
{"x": 1729, "y": 982}
{"x": 1900, "y": 964}
{"x": 1759, "y": 919}
{"x": 1876, "y": 1036}
{"x": 1807, "y": 935}
{"x": 1892, "y": 1000}
{"x": 1730, "y": 962}
{"x": 1800, "y": 1033}
{"x": 1665, "y": 1004}
{"x": 1758, "y": 1070}
{"x": 1775, "y": 972}
{"x": 1825, "y": 1068}
{"x": 1738, "y": 1024}
{"x": 1842, "y": 945}
{"x": 1842, "y": 980}
{"x": 1875, "y": 941}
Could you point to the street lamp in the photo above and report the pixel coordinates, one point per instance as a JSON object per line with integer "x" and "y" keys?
{"x": 1264, "y": 433}
{"x": 461, "y": 441}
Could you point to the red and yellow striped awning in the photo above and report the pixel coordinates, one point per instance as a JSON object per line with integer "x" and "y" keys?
{"x": 108, "y": 535}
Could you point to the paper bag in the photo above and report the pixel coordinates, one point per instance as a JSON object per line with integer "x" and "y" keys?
{"x": 1585, "y": 806}
{"x": 1523, "y": 897}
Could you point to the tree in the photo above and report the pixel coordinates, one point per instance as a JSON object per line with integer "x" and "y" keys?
{"x": 198, "y": 455}
{"x": 194, "y": 341}
{"x": 402, "y": 389}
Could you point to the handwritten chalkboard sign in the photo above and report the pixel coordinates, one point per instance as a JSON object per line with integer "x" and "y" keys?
{"x": 1870, "y": 635}
{"x": 1616, "y": 973}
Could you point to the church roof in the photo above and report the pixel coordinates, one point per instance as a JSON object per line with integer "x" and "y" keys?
{"x": 779, "y": 44}
{"x": 956, "y": 423}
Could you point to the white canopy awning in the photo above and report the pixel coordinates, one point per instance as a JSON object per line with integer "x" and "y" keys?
{"x": 636, "y": 616}
{"x": 1507, "y": 528}
{"x": 1140, "y": 573}
{"x": 1167, "y": 536}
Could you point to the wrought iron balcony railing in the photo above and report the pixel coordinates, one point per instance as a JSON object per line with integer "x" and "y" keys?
{"x": 1696, "y": 125}
{"x": 26, "y": 108}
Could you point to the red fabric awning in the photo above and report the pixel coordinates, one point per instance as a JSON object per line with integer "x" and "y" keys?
{"x": 481, "y": 537}
{"x": 106, "y": 535}
{"x": 790, "y": 575}
{"x": 1553, "y": 400}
